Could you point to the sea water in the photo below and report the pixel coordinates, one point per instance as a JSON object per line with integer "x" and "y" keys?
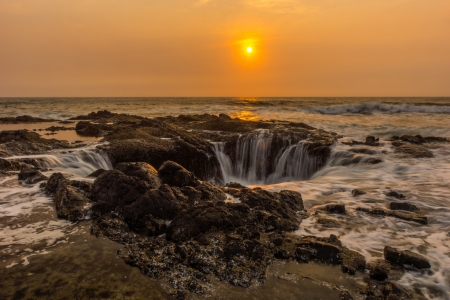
{"x": 29, "y": 228}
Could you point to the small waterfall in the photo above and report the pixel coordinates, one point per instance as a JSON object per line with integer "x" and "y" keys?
{"x": 254, "y": 160}
{"x": 294, "y": 163}
{"x": 252, "y": 153}
{"x": 80, "y": 162}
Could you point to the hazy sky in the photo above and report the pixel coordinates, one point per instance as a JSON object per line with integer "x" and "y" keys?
{"x": 198, "y": 48}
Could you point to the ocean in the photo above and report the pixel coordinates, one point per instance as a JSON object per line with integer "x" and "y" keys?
{"x": 43, "y": 256}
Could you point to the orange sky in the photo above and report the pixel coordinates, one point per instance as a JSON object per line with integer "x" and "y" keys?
{"x": 197, "y": 48}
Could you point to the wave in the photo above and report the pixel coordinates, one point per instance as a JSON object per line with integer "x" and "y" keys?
{"x": 375, "y": 107}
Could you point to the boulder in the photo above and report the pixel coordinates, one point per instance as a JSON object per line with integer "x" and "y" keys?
{"x": 407, "y": 216}
{"x": 5, "y": 165}
{"x": 406, "y": 257}
{"x": 31, "y": 176}
{"x": 92, "y": 129}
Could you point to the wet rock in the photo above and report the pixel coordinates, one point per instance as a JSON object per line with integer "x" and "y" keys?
{"x": 389, "y": 291}
{"x": 335, "y": 208}
{"x": 372, "y": 141}
{"x": 379, "y": 270}
{"x": 91, "y": 129}
{"x": 345, "y": 295}
{"x": 142, "y": 170}
{"x": 352, "y": 261}
{"x": 329, "y": 223}
{"x": 24, "y": 142}
{"x": 402, "y": 206}
{"x": 71, "y": 197}
{"x": 357, "y": 192}
{"x": 411, "y": 150}
{"x": 97, "y": 173}
{"x": 59, "y": 128}
{"x": 31, "y": 176}
{"x": 406, "y": 257}
{"x": 175, "y": 175}
{"x": 407, "y": 216}
{"x": 395, "y": 194}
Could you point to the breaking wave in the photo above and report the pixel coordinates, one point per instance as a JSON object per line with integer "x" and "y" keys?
{"x": 375, "y": 107}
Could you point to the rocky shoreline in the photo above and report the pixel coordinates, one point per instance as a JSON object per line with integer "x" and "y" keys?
{"x": 177, "y": 226}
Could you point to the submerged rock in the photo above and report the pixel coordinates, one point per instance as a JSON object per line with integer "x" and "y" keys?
{"x": 402, "y": 206}
{"x": 395, "y": 194}
{"x": 407, "y": 216}
{"x": 406, "y": 257}
{"x": 356, "y": 193}
{"x": 31, "y": 176}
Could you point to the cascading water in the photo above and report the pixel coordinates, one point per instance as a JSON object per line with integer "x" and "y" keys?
{"x": 253, "y": 159}
{"x": 80, "y": 162}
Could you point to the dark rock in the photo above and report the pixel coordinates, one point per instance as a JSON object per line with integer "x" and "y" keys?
{"x": 402, "y": 206}
{"x": 118, "y": 189}
{"x": 175, "y": 175}
{"x": 411, "y": 150}
{"x": 5, "y": 165}
{"x": 357, "y": 192}
{"x": 345, "y": 295}
{"x": 142, "y": 170}
{"x": 24, "y": 119}
{"x": 31, "y": 176}
{"x": 59, "y": 128}
{"x": 335, "y": 208}
{"x": 24, "y": 142}
{"x": 97, "y": 173}
{"x": 71, "y": 197}
{"x": 91, "y": 129}
{"x": 406, "y": 257}
{"x": 395, "y": 194}
{"x": 379, "y": 270}
{"x": 352, "y": 261}
{"x": 372, "y": 141}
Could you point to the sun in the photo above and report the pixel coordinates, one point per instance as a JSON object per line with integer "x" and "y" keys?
{"x": 249, "y": 49}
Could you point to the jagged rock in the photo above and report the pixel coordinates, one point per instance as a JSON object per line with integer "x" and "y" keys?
{"x": 142, "y": 170}
{"x": 31, "y": 176}
{"x": 345, "y": 295}
{"x": 97, "y": 173}
{"x": 335, "y": 208}
{"x": 402, "y": 206}
{"x": 406, "y": 257}
{"x": 408, "y": 216}
{"x": 357, "y": 192}
{"x": 395, "y": 194}
{"x": 376, "y": 290}
{"x": 175, "y": 175}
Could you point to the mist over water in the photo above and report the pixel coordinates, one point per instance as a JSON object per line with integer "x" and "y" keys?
{"x": 31, "y": 222}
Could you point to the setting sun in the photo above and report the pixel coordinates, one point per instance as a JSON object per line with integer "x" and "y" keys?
{"x": 249, "y": 49}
